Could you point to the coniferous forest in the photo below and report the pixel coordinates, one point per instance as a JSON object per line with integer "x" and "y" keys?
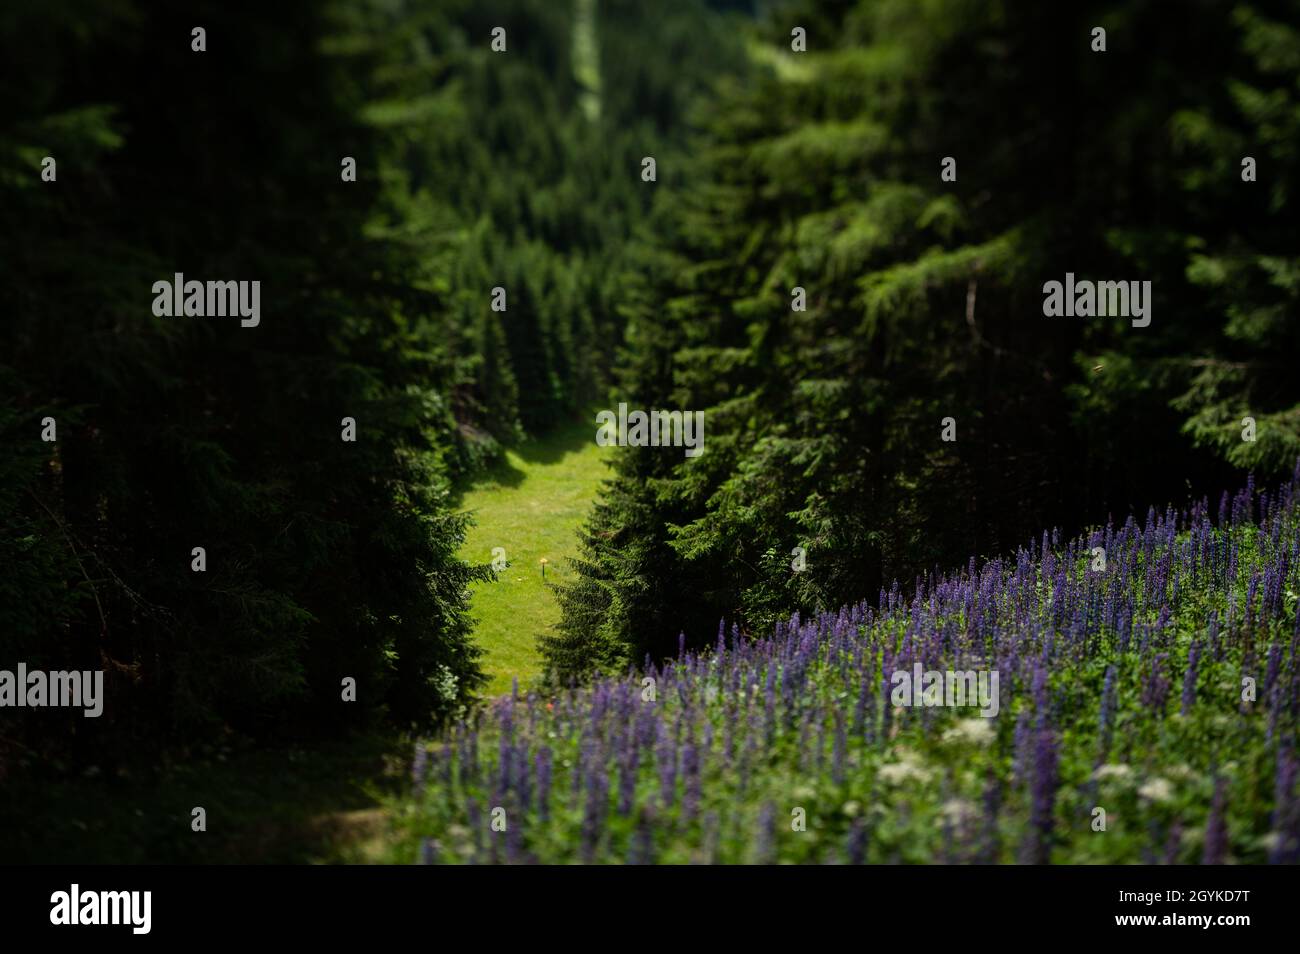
{"x": 900, "y": 338}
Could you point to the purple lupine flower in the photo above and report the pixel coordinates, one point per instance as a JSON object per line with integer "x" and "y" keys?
{"x": 691, "y": 778}
{"x": 1274, "y": 667}
{"x": 418, "y": 767}
{"x": 1155, "y": 688}
{"x": 1216, "y": 829}
{"x": 1108, "y": 694}
{"x": 666, "y": 763}
{"x": 1020, "y": 748}
{"x": 864, "y": 695}
{"x": 514, "y": 845}
{"x": 642, "y": 849}
{"x": 579, "y": 767}
{"x": 542, "y": 767}
{"x": 765, "y": 836}
{"x": 841, "y": 744}
{"x": 821, "y": 742}
{"x": 1251, "y": 590}
{"x": 470, "y": 766}
{"x": 1189, "y": 679}
{"x": 747, "y": 756}
{"x": 1038, "y": 846}
{"x": 992, "y": 804}
{"x": 1286, "y": 810}
{"x": 522, "y": 777}
{"x": 886, "y": 709}
{"x": 857, "y": 843}
{"x": 1040, "y": 691}
{"x": 505, "y": 764}
{"x": 476, "y": 825}
{"x": 593, "y": 818}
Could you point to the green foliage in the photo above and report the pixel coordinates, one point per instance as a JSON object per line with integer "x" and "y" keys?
{"x": 1244, "y": 256}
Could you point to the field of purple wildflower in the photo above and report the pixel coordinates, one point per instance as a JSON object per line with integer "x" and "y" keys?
{"x": 1147, "y": 714}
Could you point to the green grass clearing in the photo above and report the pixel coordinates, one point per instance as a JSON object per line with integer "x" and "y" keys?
{"x": 532, "y": 505}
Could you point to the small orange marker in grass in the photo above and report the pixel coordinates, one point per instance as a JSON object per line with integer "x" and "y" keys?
{"x": 544, "y": 561}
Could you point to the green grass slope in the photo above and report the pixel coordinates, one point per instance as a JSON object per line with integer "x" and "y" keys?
{"x": 532, "y": 505}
